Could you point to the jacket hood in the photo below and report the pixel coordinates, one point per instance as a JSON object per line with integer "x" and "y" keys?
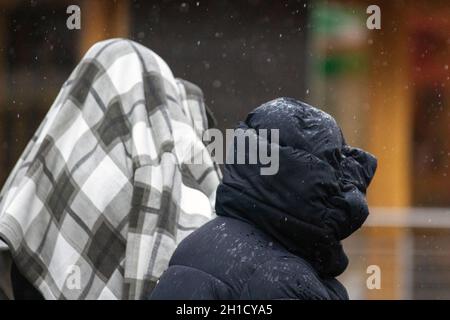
{"x": 317, "y": 197}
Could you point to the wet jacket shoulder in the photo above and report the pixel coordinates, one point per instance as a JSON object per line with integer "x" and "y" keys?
{"x": 231, "y": 259}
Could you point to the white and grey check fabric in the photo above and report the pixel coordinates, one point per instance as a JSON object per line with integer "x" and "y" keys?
{"x": 106, "y": 189}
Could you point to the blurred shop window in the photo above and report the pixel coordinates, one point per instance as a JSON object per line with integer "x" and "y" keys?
{"x": 431, "y": 145}
{"x": 339, "y": 62}
{"x": 37, "y": 57}
{"x": 415, "y": 265}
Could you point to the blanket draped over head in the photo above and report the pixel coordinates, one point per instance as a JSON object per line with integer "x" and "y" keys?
{"x": 106, "y": 189}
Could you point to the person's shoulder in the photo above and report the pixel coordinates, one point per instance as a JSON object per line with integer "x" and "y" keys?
{"x": 291, "y": 277}
{"x": 208, "y": 246}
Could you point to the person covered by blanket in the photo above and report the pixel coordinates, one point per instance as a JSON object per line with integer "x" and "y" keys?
{"x": 278, "y": 236}
{"x": 106, "y": 189}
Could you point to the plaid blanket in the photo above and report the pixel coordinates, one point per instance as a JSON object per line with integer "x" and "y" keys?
{"x": 106, "y": 189}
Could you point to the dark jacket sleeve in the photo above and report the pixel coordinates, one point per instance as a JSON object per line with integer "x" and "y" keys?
{"x": 290, "y": 279}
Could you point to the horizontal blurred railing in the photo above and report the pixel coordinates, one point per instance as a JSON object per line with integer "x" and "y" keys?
{"x": 409, "y": 217}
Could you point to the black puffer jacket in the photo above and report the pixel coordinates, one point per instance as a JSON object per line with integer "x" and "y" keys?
{"x": 278, "y": 236}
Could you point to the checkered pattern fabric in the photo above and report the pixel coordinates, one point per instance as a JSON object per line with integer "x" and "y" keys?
{"x": 106, "y": 189}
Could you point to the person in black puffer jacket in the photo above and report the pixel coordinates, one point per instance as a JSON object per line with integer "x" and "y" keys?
{"x": 278, "y": 236}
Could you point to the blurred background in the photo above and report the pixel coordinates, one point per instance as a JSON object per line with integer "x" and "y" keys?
{"x": 389, "y": 89}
